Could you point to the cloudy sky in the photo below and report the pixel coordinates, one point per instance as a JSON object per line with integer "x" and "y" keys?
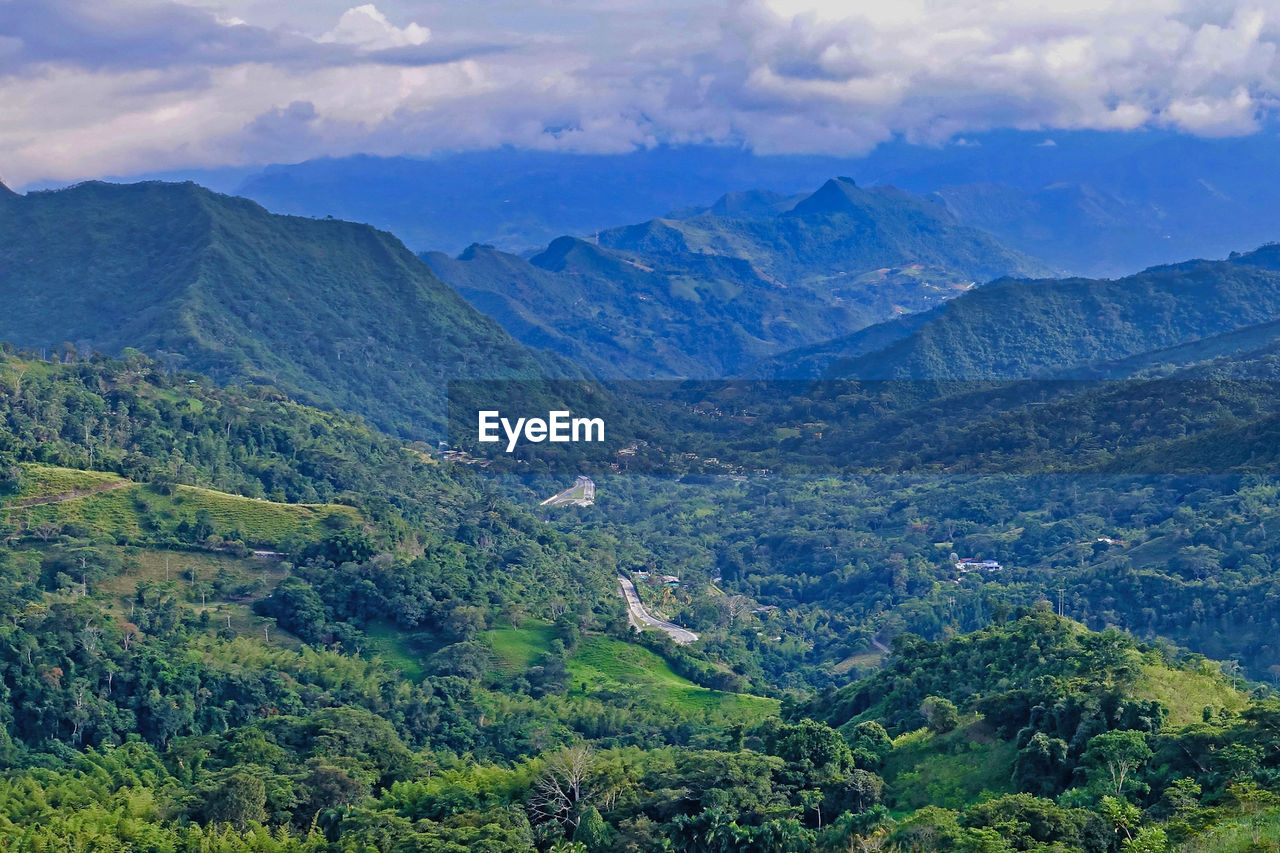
{"x": 96, "y": 87}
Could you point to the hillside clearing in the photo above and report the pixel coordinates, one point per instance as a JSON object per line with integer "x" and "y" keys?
{"x": 133, "y": 513}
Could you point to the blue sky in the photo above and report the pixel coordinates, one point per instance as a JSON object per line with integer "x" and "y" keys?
{"x": 95, "y": 87}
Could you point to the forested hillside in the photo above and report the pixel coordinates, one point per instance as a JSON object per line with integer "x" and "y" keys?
{"x": 333, "y": 313}
{"x": 421, "y": 663}
{"x": 1016, "y": 329}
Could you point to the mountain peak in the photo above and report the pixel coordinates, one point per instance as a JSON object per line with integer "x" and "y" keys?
{"x": 559, "y": 251}
{"x": 749, "y": 204}
{"x": 475, "y": 249}
{"x": 838, "y": 195}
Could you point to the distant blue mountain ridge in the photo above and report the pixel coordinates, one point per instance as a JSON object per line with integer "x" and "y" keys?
{"x": 1090, "y": 203}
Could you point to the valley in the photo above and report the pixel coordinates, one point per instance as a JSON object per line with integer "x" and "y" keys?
{"x": 775, "y": 426}
{"x": 263, "y": 607}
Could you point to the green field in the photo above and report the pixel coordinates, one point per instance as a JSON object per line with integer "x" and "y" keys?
{"x": 220, "y": 584}
{"x": 1154, "y": 554}
{"x": 1255, "y": 833}
{"x": 1187, "y": 693}
{"x": 191, "y": 576}
{"x": 516, "y": 649}
{"x": 44, "y": 481}
{"x": 952, "y": 770}
{"x": 134, "y": 513}
{"x": 387, "y": 642}
{"x": 867, "y": 661}
{"x": 603, "y": 665}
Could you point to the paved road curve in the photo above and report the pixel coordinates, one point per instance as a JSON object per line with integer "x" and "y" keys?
{"x": 643, "y": 617}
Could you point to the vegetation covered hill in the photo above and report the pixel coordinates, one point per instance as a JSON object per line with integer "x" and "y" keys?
{"x": 197, "y": 448}
{"x": 1019, "y": 329}
{"x": 332, "y": 313}
{"x": 290, "y": 748}
{"x": 639, "y": 318}
{"x": 711, "y": 292}
{"x": 1048, "y": 736}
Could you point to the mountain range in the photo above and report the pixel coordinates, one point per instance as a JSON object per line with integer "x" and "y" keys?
{"x": 1091, "y": 203}
{"x": 713, "y": 291}
{"x": 516, "y": 200}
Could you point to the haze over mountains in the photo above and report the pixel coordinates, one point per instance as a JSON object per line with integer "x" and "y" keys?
{"x": 717, "y": 289}
{"x": 327, "y": 311}
{"x": 1112, "y": 207}
{"x": 516, "y": 200}
{"x": 1095, "y": 204}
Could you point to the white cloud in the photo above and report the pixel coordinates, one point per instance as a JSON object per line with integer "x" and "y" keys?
{"x": 1210, "y": 116}
{"x": 927, "y": 67}
{"x": 112, "y": 86}
{"x": 368, "y": 29}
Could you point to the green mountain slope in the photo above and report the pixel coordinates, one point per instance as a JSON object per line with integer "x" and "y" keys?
{"x": 1011, "y": 329}
{"x": 131, "y": 512}
{"x": 1039, "y": 735}
{"x": 831, "y": 235}
{"x": 335, "y": 313}
{"x": 621, "y": 317}
{"x": 711, "y": 292}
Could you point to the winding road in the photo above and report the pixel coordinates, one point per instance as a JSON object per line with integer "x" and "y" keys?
{"x": 640, "y": 617}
